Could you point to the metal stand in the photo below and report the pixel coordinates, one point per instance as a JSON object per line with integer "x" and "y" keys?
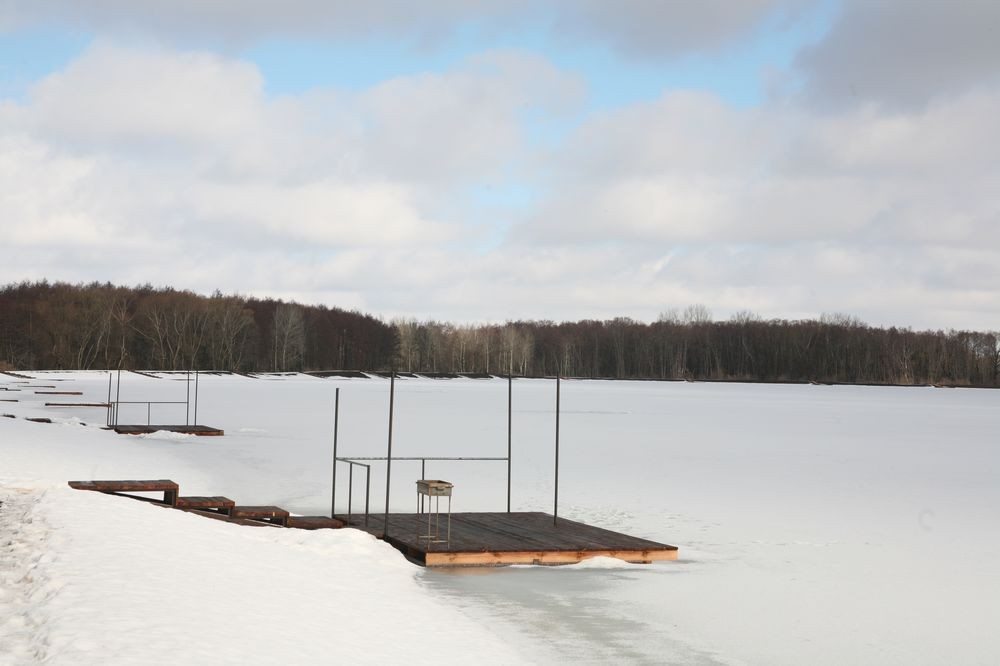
{"x": 434, "y": 489}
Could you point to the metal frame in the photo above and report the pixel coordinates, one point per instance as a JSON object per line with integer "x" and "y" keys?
{"x": 352, "y": 461}
{"x": 113, "y": 405}
{"x": 388, "y": 458}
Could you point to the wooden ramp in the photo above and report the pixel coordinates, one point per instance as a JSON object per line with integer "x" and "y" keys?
{"x": 216, "y": 506}
{"x": 200, "y": 430}
{"x": 495, "y": 539}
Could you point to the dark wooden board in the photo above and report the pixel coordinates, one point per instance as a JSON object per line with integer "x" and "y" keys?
{"x": 103, "y": 405}
{"x": 314, "y": 522}
{"x": 58, "y": 392}
{"x": 126, "y": 485}
{"x": 271, "y": 514}
{"x": 219, "y": 503}
{"x": 166, "y": 486}
{"x": 200, "y": 430}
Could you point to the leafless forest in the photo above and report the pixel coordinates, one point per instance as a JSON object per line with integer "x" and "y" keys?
{"x": 55, "y": 325}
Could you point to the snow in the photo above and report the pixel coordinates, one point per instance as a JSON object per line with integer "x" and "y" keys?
{"x": 817, "y": 524}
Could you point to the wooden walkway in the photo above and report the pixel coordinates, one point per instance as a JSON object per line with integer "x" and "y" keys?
{"x": 494, "y": 539}
{"x": 474, "y": 539}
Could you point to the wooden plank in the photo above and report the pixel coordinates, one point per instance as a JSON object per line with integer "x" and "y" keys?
{"x": 544, "y": 557}
{"x": 271, "y": 514}
{"x": 102, "y": 405}
{"x": 217, "y": 503}
{"x": 168, "y": 487}
{"x": 313, "y": 522}
{"x": 200, "y": 430}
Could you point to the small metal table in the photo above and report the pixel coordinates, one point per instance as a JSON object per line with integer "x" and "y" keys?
{"x": 434, "y": 488}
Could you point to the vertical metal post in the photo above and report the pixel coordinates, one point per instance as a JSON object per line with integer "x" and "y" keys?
{"x": 109, "y": 400}
{"x": 423, "y": 475}
{"x": 368, "y": 484}
{"x": 510, "y": 394}
{"x": 149, "y": 409}
{"x": 336, "y": 424}
{"x": 350, "y": 490}
{"x": 187, "y": 401}
{"x": 195, "y": 398}
{"x": 388, "y": 460}
{"x": 555, "y": 508}
{"x": 118, "y": 395}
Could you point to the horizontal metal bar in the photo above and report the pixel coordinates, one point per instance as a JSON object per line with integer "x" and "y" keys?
{"x": 415, "y": 458}
{"x": 351, "y": 462}
{"x": 150, "y": 402}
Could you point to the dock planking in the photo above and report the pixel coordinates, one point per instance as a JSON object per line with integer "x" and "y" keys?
{"x": 495, "y": 539}
{"x": 121, "y": 487}
{"x": 216, "y": 503}
{"x": 200, "y": 430}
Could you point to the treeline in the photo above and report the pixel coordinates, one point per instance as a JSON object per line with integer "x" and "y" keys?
{"x": 690, "y": 345}
{"x": 45, "y": 326}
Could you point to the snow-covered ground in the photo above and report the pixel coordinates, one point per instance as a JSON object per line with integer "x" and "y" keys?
{"x": 817, "y": 524}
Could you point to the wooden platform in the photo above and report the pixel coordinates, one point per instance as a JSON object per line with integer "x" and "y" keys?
{"x": 314, "y": 522}
{"x": 121, "y": 487}
{"x": 200, "y": 430}
{"x": 267, "y": 514}
{"x": 217, "y": 503}
{"x": 475, "y": 539}
{"x": 494, "y": 539}
{"x": 102, "y": 405}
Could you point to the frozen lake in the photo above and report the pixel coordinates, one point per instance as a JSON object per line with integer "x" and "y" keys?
{"x": 816, "y": 524}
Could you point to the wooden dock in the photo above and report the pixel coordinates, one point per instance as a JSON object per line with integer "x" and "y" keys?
{"x": 474, "y": 539}
{"x": 496, "y": 539}
{"x": 200, "y": 430}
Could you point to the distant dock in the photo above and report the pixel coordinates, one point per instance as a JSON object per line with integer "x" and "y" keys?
{"x": 200, "y": 430}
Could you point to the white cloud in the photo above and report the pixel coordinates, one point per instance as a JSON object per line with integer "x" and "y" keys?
{"x": 149, "y": 164}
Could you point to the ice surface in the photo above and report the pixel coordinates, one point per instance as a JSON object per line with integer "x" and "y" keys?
{"x": 817, "y": 524}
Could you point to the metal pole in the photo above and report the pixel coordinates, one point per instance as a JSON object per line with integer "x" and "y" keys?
{"x": 510, "y": 394}
{"x": 118, "y": 395}
{"x": 368, "y": 484}
{"x": 195, "y": 397}
{"x": 187, "y": 400}
{"x": 555, "y": 508}
{"x": 350, "y": 491}
{"x": 423, "y": 475}
{"x": 336, "y": 423}
{"x": 388, "y": 462}
{"x": 108, "y": 423}
{"x": 149, "y": 409}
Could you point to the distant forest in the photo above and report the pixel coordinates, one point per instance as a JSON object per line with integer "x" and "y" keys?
{"x": 96, "y": 326}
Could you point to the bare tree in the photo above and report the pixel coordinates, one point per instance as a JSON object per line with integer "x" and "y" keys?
{"x": 289, "y": 337}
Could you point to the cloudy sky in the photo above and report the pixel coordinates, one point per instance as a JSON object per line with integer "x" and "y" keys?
{"x": 481, "y": 160}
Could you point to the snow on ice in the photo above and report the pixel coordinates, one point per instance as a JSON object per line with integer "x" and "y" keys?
{"x": 817, "y": 524}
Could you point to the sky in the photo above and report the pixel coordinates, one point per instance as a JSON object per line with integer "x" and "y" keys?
{"x": 488, "y": 160}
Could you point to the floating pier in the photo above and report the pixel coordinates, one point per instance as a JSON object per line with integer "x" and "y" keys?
{"x": 200, "y": 430}
{"x": 496, "y": 539}
{"x": 471, "y": 539}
